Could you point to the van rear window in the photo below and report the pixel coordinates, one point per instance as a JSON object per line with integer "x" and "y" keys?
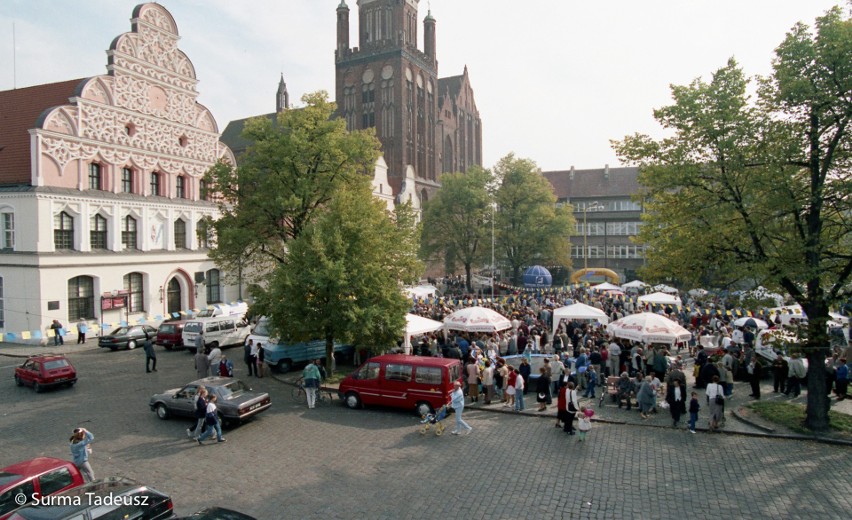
{"x": 193, "y": 326}
{"x": 455, "y": 372}
{"x": 395, "y": 372}
{"x": 428, "y": 375}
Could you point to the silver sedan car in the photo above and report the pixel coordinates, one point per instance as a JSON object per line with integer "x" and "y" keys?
{"x": 235, "y": 400}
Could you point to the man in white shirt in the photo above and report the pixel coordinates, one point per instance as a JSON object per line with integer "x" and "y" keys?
{"x": 612, "y": 361}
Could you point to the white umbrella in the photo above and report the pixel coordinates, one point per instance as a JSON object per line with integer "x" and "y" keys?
{"x": 476, "y": 319}
{"x": 635, "y": 284}
{"x": 648, "y": 327}
{"x": 697, "y": 293}
{"x": 578, "y": 311}
{"x": 606, "y": 286}
{"x": 665, "y": 289}
{"x": 415, "y": 325}
{"x": 760, "y": 324}
{"x": 659, "y": 298}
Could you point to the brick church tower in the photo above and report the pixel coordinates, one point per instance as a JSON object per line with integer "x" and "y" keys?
{"x": 426, "y": 126}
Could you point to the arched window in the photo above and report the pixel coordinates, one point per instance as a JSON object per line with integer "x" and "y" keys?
{"x": 214, "y": 287}
{"x": 203, "y": 233}
{"x": 180, "y": 234}
{"x": 7, "y": 233}
{"x": 133, "y": 285}
{"x": 63, "y": 231}
{"x": 81, "y": 298}
{"x": 128, "y": 233}
{"x": 98, "y": 233}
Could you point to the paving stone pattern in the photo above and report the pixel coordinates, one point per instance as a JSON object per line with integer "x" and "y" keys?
{"x": 335, "y": 463}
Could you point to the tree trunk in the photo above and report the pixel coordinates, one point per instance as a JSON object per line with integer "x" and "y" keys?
{"x": 329, "y": 354}
{"x": 516, "y": 275}
{"x": 816, "y": 417}
{"x": 467, "y": 278}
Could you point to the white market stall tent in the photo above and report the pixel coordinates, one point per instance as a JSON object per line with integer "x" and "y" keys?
{"x": 578, "y": 311}
{"x": 416, "y": 325}
{"x": 665, "y": 288}
{"x": 421, "y": 291}
{"x": 477, "y": 319}
{"x": 606, "y": 286}
{"x": 659, "y": 298}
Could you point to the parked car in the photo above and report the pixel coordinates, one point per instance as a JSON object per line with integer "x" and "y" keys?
{"x": 236, "y": 401}
{"x": 44, "y": 371}
{"x": 170, "y": 334}
{"x": 221, "y": 331}
{"x": 41, "y": 476}
{"x": 110, "y": 498}
{"x": 216, "y": 513}
{"x": 128, "y": 337}
{"x": 422, "y": 384}
{"x": 283, "y": 356}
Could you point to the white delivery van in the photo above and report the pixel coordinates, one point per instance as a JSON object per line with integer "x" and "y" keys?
{"x": 220, "y": 331}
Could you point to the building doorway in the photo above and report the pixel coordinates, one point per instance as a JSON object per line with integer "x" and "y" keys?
{"x": 173, "y": 296}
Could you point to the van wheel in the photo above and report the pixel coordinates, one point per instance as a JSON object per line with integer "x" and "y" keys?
{"x": 352, "y": 400}
{"x": 284, "y": 365}
{"x": 423, "y": 408}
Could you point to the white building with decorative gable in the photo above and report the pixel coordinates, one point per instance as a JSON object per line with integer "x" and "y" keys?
{"x": 101, "y": 190}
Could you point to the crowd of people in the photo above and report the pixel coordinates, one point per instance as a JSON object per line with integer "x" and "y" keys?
{"x": 582, "y": 358}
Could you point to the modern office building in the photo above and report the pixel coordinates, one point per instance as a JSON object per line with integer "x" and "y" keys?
{"x": 101, "y": 191}
{"x": 607, "y": 217}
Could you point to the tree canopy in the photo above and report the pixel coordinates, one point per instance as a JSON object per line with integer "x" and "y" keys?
{"x": 759, "y": 189}
{"x": 293, "y": 167}
{"x": 530, "y": 227}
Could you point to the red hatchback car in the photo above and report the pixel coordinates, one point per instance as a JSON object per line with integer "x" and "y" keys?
{"x": 44, "y": 371}
{"x": 41, "y": 476}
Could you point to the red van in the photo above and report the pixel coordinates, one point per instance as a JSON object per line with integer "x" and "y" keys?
{"x": 422, "y": 384}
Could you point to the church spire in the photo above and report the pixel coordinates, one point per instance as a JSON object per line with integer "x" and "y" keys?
{"x": 282, "y": 99}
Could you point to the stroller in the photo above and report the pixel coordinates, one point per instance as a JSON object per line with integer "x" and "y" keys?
{"x": 434, "y": 418}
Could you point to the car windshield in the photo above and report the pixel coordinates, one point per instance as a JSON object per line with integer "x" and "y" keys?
{"x": 121, "y": 331}
{"x": 6, "y": 478}
{"x": 262, "y": 327}
{"x": 167, "y": 328}
{"x": 233, "y": 390}
{"x": 55, "y": 363}
{"x": 193, "y": 326}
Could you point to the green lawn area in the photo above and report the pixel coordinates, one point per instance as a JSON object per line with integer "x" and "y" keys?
{"x": 792, "y": 416}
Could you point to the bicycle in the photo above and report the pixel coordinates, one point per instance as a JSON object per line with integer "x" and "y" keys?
{"x": 300, "y": 395}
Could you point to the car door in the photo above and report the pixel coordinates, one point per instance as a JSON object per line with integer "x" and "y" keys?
{"x": 9, "y": 498}
{"x": 29, "y": 372}
{"x": 394, "y": 384}
{"x": 183, "y": 402}
{"x": 55, "y": 481}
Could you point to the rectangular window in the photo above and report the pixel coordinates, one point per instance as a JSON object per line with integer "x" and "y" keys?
{"x": 180, "y": 187}
{"x": 8, "y": 237}
{"x": 202, "y": 190}
{"x": 98, "y": 233}
{"x": 180, "y": 234}
{"x": 128, "y": 234}
{"x": 214, "y": 290}
{"x": 394, "y": 372}
{"x": 95, "y": 176}
{"x": 133, "y": 285}
{"x": 126, "y": 180}
{"x": 428, "y": 375}
{"x": 54, "y": 481}
{"x": 63, "y": 231}
{"x": 368, "y": 371}
{"x": 155, "y": 183}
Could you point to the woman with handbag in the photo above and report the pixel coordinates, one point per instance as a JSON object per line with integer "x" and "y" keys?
{"x": 573, "y": 406}
{"x": 716, "y": 399}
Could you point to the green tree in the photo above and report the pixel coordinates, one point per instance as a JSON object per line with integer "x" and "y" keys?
{"x": 530, "y": 227}
{"x": 457, "y": 221}
{"x": 294, "y": 167}
{"x": 341, "y": 281}
{"x": 760, "y": 190}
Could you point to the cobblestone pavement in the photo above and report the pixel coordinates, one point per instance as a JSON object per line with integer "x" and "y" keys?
{"x": 334, "y": 463}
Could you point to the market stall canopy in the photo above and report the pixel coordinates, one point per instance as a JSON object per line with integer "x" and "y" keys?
{"x": 606, "y": 286}
{"x": 537, "y": 277}
{"x": 659, "y": 298}
{"x": 794, "y": 312}
{"x": 665, "y": 289}
{"x": 477, "y": 319}
{"x": 421, "y": 291}
{"x": 648, "y": 327}
{"x": 753, "y": 323}
{"x": 578, "y": 311}
{"x": 698, "y": 293}
{"x": 416, "y": 325}
{"x": 635, "y": 284}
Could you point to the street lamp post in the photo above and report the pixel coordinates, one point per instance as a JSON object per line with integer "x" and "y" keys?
{"x": 493, "y": 209}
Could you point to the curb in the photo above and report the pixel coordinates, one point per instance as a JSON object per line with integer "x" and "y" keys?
{"x": 736, "y": 413}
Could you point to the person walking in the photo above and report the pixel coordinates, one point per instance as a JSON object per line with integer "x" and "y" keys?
{"x": 200, "y": 413}
{"x": 150, "y": 354}
{"x": 249, "y": 356}
{"x": 259, "y": 358}
{"x": 520, "y": 390}
{"x": 202, "y": 364}
{"x": 572, "y": 406}
{"x": 81, "y": 331}
{"x": 754, "y": 368}
{"x": 80, "y": 450}
{"x": 311, "y": 376}
{"x": 694, "y": 407}
{"x": 58, "y": 333}
{"x": 676, "y": 398}
{"x": 457, "y": 401}
{"x": 716, "y": 399}
{"x": 511, "y": 381}
{"x": 213, "y": 423}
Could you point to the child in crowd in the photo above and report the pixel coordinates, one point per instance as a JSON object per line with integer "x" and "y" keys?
{"x": 584, "y": 422}
{"x": 693, "y": 412}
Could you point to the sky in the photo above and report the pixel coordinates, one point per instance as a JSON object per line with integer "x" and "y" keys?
{"x": 554, "y": 80}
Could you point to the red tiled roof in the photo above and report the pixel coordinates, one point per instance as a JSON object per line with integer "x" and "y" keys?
{"x": 19, "y": 112}
{"x": 617, "y": 182}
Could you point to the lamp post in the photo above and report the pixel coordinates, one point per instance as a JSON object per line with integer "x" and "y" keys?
{"x": 493, "y": 209}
